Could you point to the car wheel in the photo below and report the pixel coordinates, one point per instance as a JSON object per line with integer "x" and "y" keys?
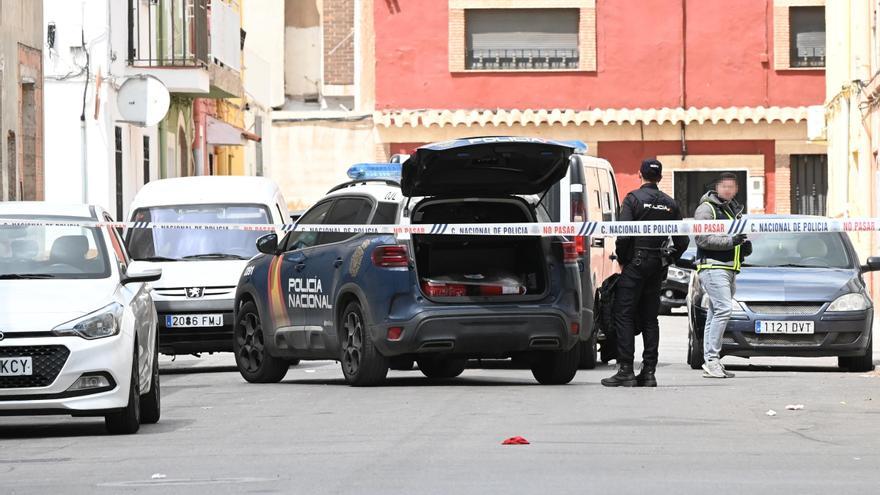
{"x": 128, "y": 420}
{"x": 589, "y": 353}
{"x": 440, "y": 367}
{"x": 252, "y": 357}
{"x": 401, "y": 363}
{"x": 859, "y": 364}
{"x": 695, "y": 352}
{"x": 557, "y": 368}
{"x": 362, "y": 364}
{"x": 151, "y": 402}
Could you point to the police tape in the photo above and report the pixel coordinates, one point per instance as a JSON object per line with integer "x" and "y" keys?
{"x": 745, "y": 225}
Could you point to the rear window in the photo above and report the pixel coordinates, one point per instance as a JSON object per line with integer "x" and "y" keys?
{"x": 386, "y": 214}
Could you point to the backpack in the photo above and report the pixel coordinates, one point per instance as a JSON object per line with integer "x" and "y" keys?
{"x": 605, "y": 304}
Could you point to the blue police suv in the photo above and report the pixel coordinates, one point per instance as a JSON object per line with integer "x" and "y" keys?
{"x": 376, "y": 301}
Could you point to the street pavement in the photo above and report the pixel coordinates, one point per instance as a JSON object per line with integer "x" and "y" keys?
{"x": 313, "y": 434}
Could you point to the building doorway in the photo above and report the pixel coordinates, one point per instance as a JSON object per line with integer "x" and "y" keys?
{"x": 689, "y": 186}
{"x": 809, "y": 184}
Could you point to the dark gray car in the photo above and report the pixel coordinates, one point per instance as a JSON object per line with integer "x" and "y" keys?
{"x": 797, "y": 295}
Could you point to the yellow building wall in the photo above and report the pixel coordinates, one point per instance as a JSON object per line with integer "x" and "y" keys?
{"x": 851, "y": 129}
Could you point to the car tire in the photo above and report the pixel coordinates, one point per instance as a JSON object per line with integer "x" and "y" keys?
{"x": 252, "y": 357}
{"x": 441, "y": 367}
{"x": 292, "y": 362}
{"x": 151, "y": 402}
{"x": 127, "y": 420}
{"x": 859, "y": 364}
{"x": 557, "y": 368}
{"x": 695, "y": 353}
{"x": 589, "y": 353}
{"x": 401, "y": 363}
{"x": 362, "y": 364}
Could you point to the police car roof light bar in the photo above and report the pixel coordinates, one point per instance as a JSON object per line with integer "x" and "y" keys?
{"x": 579, "y": 146}
{"x": 375, "y": 171}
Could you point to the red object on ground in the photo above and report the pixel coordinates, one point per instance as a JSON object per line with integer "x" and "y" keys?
{"x": 515, "y": 441}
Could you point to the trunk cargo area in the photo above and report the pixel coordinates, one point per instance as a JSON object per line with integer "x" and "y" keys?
{"x": 456, "y": 267}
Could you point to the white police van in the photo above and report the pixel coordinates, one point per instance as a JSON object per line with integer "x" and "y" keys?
{"x": 200, "y": 268}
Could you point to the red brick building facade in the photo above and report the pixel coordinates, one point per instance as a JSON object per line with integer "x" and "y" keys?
{"x": 701, "y": 84}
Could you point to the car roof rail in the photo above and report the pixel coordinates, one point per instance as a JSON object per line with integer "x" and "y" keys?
{"x": 357, "y": 182}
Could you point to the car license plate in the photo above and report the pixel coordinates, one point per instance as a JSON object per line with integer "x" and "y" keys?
{"x": 189, "y": 321}
{"x": 786, "y": 327}
{"x": 16, "y": 366}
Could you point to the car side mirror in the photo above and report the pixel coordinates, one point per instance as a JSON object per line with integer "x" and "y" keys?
{"x": 688, "y": 261}
{"x": 268, "y": 244}
{"x": 141, "y": 272}
{"x": 872, "y": 265}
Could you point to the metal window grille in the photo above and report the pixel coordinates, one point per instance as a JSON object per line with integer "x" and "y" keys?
{"x": 522, "y": 39}
{"x": 807, "y": 36}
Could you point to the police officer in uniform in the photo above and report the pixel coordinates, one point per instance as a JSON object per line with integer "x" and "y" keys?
{"x": 644, "y": 262}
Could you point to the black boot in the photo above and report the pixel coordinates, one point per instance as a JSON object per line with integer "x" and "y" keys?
{"x": 623, "y": 378}
{"x": 646, "y": 377}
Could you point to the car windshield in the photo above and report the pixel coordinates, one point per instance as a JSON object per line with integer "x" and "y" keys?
{"x": 813, "y": 250}
{"x": 44, "y": 252}
{"x": 192, "y": 244}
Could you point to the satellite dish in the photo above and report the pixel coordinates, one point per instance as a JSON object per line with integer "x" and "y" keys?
{"x": 143, "y": 101}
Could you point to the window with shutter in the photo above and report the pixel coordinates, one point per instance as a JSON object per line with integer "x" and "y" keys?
{"x": 522, "y": 39}
{"x": 807, "y": 39}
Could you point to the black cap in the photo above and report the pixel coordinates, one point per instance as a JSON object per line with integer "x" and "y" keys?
{"x": 652, "y": 169}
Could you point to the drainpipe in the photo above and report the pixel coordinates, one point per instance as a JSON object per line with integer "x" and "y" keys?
{"x": 683, "y": 76}
{"x": 82, "y": 117}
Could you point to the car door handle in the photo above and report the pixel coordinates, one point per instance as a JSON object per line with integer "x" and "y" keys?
{"x": 338, "y": 262}
{"x": 597, "y": 242}
{"x": 299, "y": 267}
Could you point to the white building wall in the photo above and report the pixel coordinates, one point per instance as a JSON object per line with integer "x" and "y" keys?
{"x": 103, "y": 26}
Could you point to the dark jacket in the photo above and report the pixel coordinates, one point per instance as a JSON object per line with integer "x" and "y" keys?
{"x": 648, "y": 203}
{"x": 719, "y": 250}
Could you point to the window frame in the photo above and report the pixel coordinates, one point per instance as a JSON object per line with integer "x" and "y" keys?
{"x": 458, "y": 32}
{"x": 782, "y": 34}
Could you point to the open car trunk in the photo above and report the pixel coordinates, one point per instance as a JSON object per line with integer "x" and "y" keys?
{"x": 462, "y": 268}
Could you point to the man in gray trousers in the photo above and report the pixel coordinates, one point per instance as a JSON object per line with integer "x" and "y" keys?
{"x": 719, "y": 257}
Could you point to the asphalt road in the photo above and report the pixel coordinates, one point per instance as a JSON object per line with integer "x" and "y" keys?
{"x": 313, "y": 434}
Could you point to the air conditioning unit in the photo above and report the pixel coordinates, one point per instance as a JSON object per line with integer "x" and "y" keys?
{"x": 816, "y": 130}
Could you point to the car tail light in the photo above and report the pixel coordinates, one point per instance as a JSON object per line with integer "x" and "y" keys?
{"x": 580, "y": 244}
{"x": 433, "y": 289}
{"x": 569, "y": 252}
{"x": 390, "y": 257}
{"x": 395, "y": 333}
{"x": 575, "y": 328}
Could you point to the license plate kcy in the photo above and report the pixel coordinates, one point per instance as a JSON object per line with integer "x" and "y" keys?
{"x": 16, "y": 366}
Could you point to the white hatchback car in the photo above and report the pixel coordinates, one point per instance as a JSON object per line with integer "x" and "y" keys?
{"x": 77, "y": 320}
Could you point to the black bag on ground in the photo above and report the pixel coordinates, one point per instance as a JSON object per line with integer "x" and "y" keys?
{"x": 605, "y": 309}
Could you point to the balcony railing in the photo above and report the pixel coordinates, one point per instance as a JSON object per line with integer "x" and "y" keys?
{"x": 522, "y": 59}
{"x": 168, "y": 33}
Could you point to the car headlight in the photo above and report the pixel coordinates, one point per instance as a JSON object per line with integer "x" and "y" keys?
{"x": 704, "y": 303}
{"x": 678, "y": 274}
{"x": 97, "y": 325}
{"x": 850, "y": 302}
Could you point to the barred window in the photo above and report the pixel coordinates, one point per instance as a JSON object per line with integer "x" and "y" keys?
{"x": 522, "y": 39}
